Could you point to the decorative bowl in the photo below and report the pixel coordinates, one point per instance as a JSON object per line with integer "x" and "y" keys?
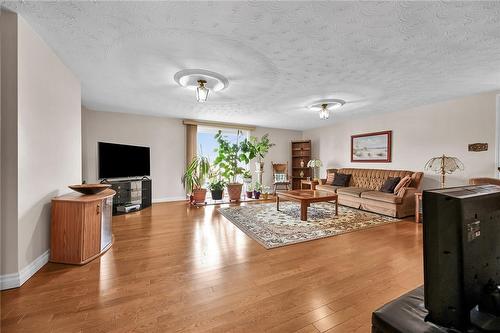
{"x": 89, "y": 188}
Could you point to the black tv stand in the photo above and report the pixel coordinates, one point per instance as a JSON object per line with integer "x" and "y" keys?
{"x": 130, "y": 191}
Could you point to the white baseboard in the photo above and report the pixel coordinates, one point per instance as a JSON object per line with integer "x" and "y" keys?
{"x": 15, "y": 280}
{"x": 168, "y": 199}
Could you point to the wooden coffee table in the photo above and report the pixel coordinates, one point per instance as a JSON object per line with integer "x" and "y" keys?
{"x": 306, "y": 197}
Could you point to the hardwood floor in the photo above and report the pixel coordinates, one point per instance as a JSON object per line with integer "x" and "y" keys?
{"x": 175, "y": 268}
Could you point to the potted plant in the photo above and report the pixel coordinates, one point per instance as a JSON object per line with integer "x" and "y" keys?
{"x": 255, "y": 147}
{"x": 257, "y": 190}
{"x": 247, "y": 177}
{"x": 217, "y": 188}
{"x": 249, "y": 191}
{"x": 227, "y": 160}
{"x": 194, "y": 178}
{"x": 266, "y": 190}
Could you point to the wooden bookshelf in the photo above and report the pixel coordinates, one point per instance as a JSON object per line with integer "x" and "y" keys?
{"x": 301, "y": 152}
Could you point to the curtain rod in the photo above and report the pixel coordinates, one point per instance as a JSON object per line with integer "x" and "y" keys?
{"x": 217, "y": 124}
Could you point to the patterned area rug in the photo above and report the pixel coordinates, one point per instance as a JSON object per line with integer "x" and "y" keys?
{"x": 274, "y": 229}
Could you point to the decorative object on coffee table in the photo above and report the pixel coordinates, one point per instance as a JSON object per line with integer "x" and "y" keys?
{"x": 89, "y": 189}
{"x": 301, "y": 154}
{"x": 315, "y": 165}
{"x": 444, "y": 165}
{"x": 371, "y": 147}
{"x": 306, "y": 198}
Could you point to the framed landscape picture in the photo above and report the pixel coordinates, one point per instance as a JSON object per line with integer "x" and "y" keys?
{"x": 371, "y": 147}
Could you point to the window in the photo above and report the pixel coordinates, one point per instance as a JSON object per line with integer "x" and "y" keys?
{"x": 207, "y": 143}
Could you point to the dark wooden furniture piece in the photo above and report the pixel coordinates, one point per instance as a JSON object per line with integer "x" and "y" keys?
{"x": 301, "y": 154}
{"x": 135, "y": 191}
{"x": 81, "y": 227}
{"x": 280, "y": 169}
{"x": 305, "y": 198}
{"x": 311, "y": 183}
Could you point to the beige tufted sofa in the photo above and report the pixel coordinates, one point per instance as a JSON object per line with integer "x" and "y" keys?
{"x": 363, "y": 191}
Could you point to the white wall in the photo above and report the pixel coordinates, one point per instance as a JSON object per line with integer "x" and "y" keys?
{"x": 45, "y": 147}
{"x": 49, "y": 134}
{"x": 8, "y": 209}
{"x": 419, "y": 134}
{"x": 165, "y": 136}
{"x": 281, "y": 153}
{"x": 167, "y": 139}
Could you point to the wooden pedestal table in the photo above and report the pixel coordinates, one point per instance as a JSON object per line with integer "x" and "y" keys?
{"x": 305, "y": 198}
{"x": 81, "y": 227}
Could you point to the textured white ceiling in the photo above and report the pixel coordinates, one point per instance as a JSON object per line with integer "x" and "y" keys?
{"x": 278, "y": 56}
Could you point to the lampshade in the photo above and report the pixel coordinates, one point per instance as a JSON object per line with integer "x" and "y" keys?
{"x": 444, "y": 165}
{"x": 314, "y": 164}
{"x": 202, "y": 91}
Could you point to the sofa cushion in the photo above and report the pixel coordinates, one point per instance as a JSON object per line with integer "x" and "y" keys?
{"x": 381, "y": 196}
{"x": 341, "y": 179}
{"x": 330, "y": 176}
{"x": 351, "y": 191}
{"x": 404, "y": 182}
{"x": 325, "y": 187}
{"x": 390, "y": 184}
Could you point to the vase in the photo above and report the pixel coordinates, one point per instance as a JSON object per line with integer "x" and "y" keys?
{"x": 234, "y": 191}
{"x": 199, "y": 195}
{"x": 301, "y": 173}
{"x": 217, "y": 194}
{"x": 256, "y": 194}
{"x": 302, "y": 163}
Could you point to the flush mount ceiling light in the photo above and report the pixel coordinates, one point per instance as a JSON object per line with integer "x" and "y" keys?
{"x": 325, "y": 106}
{"x": 202, "y": 81}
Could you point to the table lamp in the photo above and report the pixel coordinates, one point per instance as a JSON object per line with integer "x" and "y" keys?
{"x": 315, "y": 165}
{"x": 444, "y": 165}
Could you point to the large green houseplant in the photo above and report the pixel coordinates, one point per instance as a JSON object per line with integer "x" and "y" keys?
{"x": 195, "y": 177}
{"x": 229, "y": 156}
{"x": 256, "y": 148}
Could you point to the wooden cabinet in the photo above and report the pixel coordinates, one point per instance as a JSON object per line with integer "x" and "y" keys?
{"x": 301, "y": 154}
{"x": 81, "y": 227}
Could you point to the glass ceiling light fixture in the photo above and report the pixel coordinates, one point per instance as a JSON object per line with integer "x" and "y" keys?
{"x": 202, "y": 81}
{"x": 324, "y": 113}
{"x": 324, "y": 107}
{"x": 202, "y": 91}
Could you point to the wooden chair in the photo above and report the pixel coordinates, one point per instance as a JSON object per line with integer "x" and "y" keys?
{"x": 280, "y": 176}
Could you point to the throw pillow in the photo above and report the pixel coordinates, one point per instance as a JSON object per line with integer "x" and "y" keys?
{"x": 390, "y": 184}
{"x": 341, "y": 179}
{"x": 404, "y": 182}
{"x": 329, "y": 178}
{"x": 280, "y": 178}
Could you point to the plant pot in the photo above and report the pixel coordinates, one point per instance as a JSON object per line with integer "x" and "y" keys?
{"x": 249, "y": 194}
{"x": 217, "y": 194}
{"x": 265, "y": 196}
{"x": 256, "y": 194}
{"x": 234, "y": 191}
{"x": 199, "y": 195}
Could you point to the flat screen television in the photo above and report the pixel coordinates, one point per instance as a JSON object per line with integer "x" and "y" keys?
{"x": 462, "y": 256}
{"x": 123, "y": 161}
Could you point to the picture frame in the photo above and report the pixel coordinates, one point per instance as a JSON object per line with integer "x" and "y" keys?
{"x": 375, "y": 147}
